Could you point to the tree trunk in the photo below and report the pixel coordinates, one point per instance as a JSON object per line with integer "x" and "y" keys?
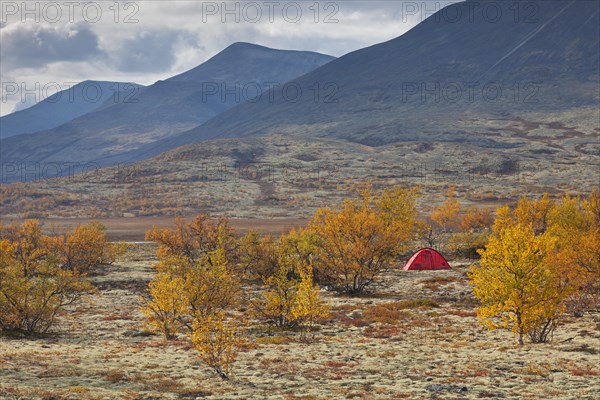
{"x": 519, "y": 328}
{"x": 221, "y": 373}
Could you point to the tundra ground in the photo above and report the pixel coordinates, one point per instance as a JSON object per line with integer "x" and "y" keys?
{"x": 379, "y": 346}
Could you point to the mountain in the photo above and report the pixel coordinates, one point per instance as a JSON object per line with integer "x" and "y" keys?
{"x": 286, "y": 155}
{"x": 443, "y": 81}
{"x": 238, "y": 73}
{"x": 64, "y": 106}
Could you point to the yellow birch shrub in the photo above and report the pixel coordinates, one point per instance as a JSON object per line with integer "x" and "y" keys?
{"x": 516, "y": 288}
{"x": 87, "y": 247}
{"x": 279, "y": 299}
{"x": 257, "y": 255}
{"x": 211, "y": 286}
{"x": 534, "y": 212}
{"x": 474, "y": 230}
{"x": 574, "y": 224}
{"x": 309, "y": 309}
{"x": 446, "y": 215}
{"x": 188, "y": 243}
{"x": 291, "y": 298}
{"x": 362, "y": 239}
{"x": 166, "y": 305}
{"x": 194, "y": 258}
{"x": 35, "y": 282}
{"x": 476, "y": 219}
{"x": 217, "y": 342}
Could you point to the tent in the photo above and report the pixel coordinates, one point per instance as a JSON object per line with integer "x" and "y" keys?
{"x": 426, "y": 259}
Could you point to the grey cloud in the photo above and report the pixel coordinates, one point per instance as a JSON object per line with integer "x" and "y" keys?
{"x": 35, "y": 46}
{"x": 150, "y": 51}
{"x": 171, "y": 38}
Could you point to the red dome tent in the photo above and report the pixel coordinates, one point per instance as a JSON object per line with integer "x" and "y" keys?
{"x": 426, "y": 259}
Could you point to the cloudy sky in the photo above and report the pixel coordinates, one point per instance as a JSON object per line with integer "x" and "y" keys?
{"x": 45, "y": 44}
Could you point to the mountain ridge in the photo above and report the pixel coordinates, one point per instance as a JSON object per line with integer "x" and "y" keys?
{"x": 64, "y": 106}
{"x": 167, "y": 107}
{"x": 549, "y": 64}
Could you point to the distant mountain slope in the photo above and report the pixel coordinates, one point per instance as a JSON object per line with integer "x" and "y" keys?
{"x": 236, "y": 74}
{"x": 64, "y": 106}
{"x": 438, "y": 82}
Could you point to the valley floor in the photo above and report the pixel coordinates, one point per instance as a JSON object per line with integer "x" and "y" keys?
{"x": 101, "y": 351}
{"x": 133, "y": 230}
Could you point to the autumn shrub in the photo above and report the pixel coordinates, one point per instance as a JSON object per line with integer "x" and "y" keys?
{"x": 363, "y": 238}
{"x": 189, "y": 243}
{"x": 542, "y": 259}
{"x": 195, "y": 278}
{"x": 473, "y": 233}
{"x": 575, "y": 225}
{"x": 291, "y": 299}
{"x": 195, "y": 284}
{"x": 83, "y": 249}
{"x": 516, "y": 288}
{"x": 87, "y": 247}
{"x": 38, "y": 276}
{"x": 257, "y": 255}
{"x": 455, "y": 231}
{"x": 446, "y": 215}
{"x": 466, "y": 244}
{"x": 302, "y": 246}
{"x": 217, "y": 342}
{"x": 476, "y": 219}
{"x": 285, "y": 267}
{"x": 534, "y": 212}
{"x": 167, "y": 306}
